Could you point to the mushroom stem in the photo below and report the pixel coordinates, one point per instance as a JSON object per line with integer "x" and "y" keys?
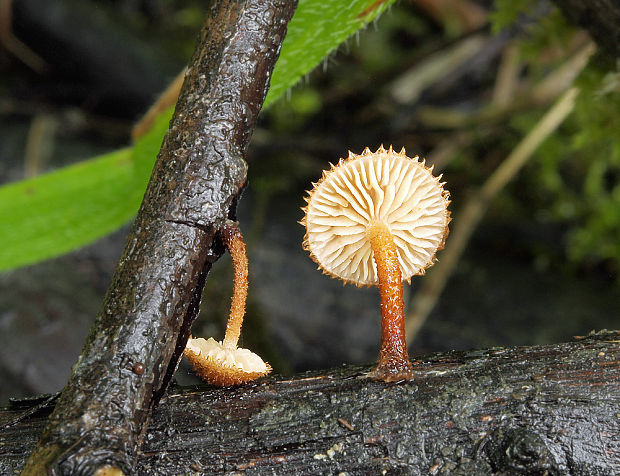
{"x": 233, "y": 240}
{"x": 394, "y": 361}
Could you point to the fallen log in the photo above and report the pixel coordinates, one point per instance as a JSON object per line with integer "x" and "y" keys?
{"x": 552, "y": 409}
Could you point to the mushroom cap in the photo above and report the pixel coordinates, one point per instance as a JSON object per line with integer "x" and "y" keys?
{"x": 375, "y": 187}
{"x": 224, "y": 366}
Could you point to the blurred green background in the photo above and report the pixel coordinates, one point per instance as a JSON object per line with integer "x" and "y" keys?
{"x": 459, "y": 82}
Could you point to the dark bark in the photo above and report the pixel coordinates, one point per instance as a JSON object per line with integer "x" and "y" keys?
{"x": 601, "y": 18}
{"x": 137, "y": 339}
{"x": 543, "y": 410}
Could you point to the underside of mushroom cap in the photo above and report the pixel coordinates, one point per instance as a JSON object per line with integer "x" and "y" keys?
{"x": 223, "y": 366}
{"x": 382, "y": 187}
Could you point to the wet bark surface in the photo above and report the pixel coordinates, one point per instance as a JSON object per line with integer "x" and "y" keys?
{"x": 551, "y": 410}
{"x": 135, "y": 344}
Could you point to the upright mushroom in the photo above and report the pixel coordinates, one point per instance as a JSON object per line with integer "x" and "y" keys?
{"x": 222, "y": 363}
{"x": 378, "y": 218}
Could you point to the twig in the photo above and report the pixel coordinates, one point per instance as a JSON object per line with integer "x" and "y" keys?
{"x": 507, "y": 77}
{"x": 408, "y": 87}
{"x": 449, "y": 146}
{"x": 139, "y": 335}
{"x": 542, "y": 93}
{"x": 13, "y": 44}
{"x": 506, "y": 99}
{"x": 473, "y": 211}
{"x": 39, "y": 144}
{"x": 457, "y": 16}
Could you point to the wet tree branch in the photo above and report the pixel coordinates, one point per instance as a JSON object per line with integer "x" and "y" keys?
{"x": 138, "y": 336}
{"x": 541, "y": 410}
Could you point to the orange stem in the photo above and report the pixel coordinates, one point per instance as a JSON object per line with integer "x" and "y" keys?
{"x": 394, "y": 361}
{"x": 233, "y": 240}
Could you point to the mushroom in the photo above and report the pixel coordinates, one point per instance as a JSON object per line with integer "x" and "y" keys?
{"x": 222, "y": 363}
{"x": 378, "y": 218}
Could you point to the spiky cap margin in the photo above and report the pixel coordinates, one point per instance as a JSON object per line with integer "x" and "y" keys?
{"x": 343, "y": 162}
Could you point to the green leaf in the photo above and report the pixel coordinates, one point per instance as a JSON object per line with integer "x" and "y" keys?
{"x": 60, "y": 211}
{"x": 317, "y": 29}
{"x": 63, "y": 210}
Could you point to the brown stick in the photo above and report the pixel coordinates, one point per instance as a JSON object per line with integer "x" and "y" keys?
{"x": 474, "y": 209}
{"x": 154, "y": 296}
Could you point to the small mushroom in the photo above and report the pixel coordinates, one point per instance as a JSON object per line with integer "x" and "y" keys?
{"x": 222, "y": 363}
{"x": 378, "y": 218}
